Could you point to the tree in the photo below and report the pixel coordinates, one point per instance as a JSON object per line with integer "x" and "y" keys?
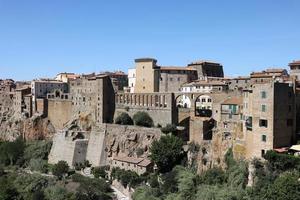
{"x": 11, "y": 152}
{"x": 124, "y": 119}
{"x": 166, "y": 152}
{"x": 99, "y": 172}
{"x": 142, "y": 119}
{"x": 285, "y": 187}
{"x": 60, "y": 169}
{"x": 169, "y": 128}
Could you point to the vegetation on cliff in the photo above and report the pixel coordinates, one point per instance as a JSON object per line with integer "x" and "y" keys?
{"x": 142, "y": 119}
{"x": 275, "y": 178}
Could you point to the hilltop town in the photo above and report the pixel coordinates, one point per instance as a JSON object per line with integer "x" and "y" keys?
{"x": 249, "y": 115}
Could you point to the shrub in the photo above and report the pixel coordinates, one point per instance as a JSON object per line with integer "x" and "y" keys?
{"x": 38, "y": 165}
{"x": 60, "y": 169}
{"x": 99, "y": 172}
{"x": 124, "y": 119}
{"x": 169, "y": 128}
{"x": 126, "y": 177}
{"x": 142, "y": 119}
{"x": 139, "y": 152}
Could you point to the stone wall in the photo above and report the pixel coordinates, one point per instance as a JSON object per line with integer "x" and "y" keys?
{"x": 59, "y": 112}
{"x": 102, "y": 143}
{"x": 68, "y": 149}
{"x": 160, "y": 106}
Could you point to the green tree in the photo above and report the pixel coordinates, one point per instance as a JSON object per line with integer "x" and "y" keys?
{"x": 142, "y": 119}
{"x": 166, "y": 152}
{"x": 285, "y": 187}
{"x": 99, "y": 172}
{"x": 11, "y": 152}
{"x": 169, "y": 128}
{"x": 60, "y": 169}
{"x": 124, "y": 119}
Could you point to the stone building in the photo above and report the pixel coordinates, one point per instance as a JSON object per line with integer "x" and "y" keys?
{"x": 269, "y": 75}
{"x": 66, "y": 77}
{"x": 131, "y": 81}
{"x": 21, "y": 104}
{"x": 269, "y": 117}
{"x": 239, "y": 83}
{"x": 149, "y": 77}
{"x": 160, "y": 106}
{"x": 93, "y": 95}
{"x": 171, "y": 78}
{"x": 295, "y": 69}
{"x": 40, "y": 89}
{"x": 119, "y": 79}
{"x": 207, "y": 69}
{"x": 138, "y": 165}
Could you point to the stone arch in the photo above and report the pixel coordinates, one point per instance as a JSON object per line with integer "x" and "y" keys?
{"x": 203, "y": 105}
{"x": 183, "y": 101}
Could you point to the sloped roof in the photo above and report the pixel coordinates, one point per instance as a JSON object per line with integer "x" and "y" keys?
{"x": 233, "y": 101}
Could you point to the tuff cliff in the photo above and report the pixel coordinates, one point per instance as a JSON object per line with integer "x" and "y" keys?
{"x": 32, "y": 128}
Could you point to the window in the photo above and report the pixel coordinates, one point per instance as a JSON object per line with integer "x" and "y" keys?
{"x": 263, "y": 94}
{"x": 203, "y": 100}
{"x": 171, "y": 79}
{"x": 263, "y": 108}
{"x": 289, "y": 122}
{"x": 263, "y": 138}
{"x": 209, "y": 100}
{"x": 263, "y": 152}
{"x": 249, "y": 123}
{"x": 263, "y": 123}
{"x": 178, "y": 79}
{"x": 290, "y": 108}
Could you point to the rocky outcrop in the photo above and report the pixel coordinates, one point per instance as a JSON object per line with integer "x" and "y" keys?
{"x": 104, "y": 142}
{"x": 32, "y": 128}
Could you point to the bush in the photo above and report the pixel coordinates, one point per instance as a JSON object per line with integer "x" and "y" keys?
{"x": 142, "y": 119}
{"x": 124, "y": 119}
{"x": 38, "y": 165}
{"x": 60, "y": 169}
{"x": 99, "y": 172}
{"x": 169, "y": 128}
{"x": 166, "y": 152}
{"x": 126, "y": 177}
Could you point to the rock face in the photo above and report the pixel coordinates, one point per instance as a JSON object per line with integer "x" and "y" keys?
{"x": 103, "y": 142}
{"x": 32, "y": 128}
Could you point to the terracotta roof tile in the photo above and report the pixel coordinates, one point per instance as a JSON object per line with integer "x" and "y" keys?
{"x": 233, "y": 101}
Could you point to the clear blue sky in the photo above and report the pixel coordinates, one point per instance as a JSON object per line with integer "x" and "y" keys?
{"x": 40, "y": 38}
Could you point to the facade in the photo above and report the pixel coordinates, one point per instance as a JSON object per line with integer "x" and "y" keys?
{"x": 131, "y": 81}
{"x": 269, "y": 117}
{"x": 295, "y": 69}
{"x": 269, "y": 75}
{"x": 20, "y": 105}
{"x": 138, "y": 165}
{"x": 207, "y": 69}
{"x": 40, "y": 89}
{"x": 239, "y": 83}
{"x": 119, "y": 79}
{"x": 93, "y": 95}
{"x": 171, "y": 78}
{"x": 149, "y": 77}
{"x": 66, "y": 77}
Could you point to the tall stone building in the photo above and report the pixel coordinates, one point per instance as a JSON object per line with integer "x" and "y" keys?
{"x": 93, "y": 95}
{"x": 150, "y": 77}
{"x": 295, "y": 69}
{"x": 269, "y": 116}
{"x": 147, "y": 75}
{"x": 207, "y": 69}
